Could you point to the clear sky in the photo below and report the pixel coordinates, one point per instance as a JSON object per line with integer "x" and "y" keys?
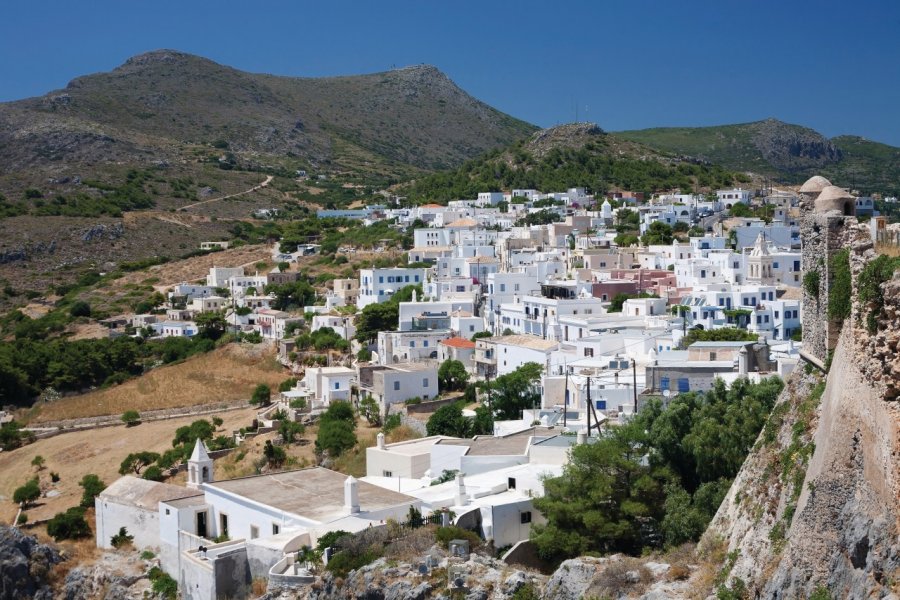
{"x": 828, "y": 64}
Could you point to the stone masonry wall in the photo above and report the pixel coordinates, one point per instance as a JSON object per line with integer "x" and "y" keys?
{"x": 822, "y": 235}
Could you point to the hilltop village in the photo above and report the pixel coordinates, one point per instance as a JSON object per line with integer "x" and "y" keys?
{"x": 522, "y": 326}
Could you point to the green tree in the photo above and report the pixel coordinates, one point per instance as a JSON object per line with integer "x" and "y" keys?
{"x": 28, "y": 493}
{"x": 449, "y": 420}
{"x": 262, "y": 395}
{"x": 134, "y": 462}
{"x": 657, "y": 233}
{"x": 452, "y": 376}
{"x": 211, "y": 324}
{"x": 275, "y": 455}
{"x": 153, "y": 473}
{"x": 336, "y": 429}
{"x": 92, "y": 486}
{"x": 80, "y": 308}
{"x": 38, "y": 462}
{"x": 369, "y": 409}
{"x": 608, "y": 498}
{"x": 516, "y": 391}
{"x": 131, "y": 418}
{"x": 187, "y": 435}
{"x": 375, "y": 318}
{"x": 290, "y": 431}
{"x": 69, "y": 525}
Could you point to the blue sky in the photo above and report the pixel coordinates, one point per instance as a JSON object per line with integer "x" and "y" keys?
{"x": 833, "y": 66}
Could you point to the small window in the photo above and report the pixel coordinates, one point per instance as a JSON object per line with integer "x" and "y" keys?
{"x": 663, "y": 383}
{"x": 684, "y": 385}
{"x": 712, "y": 356}
{"x": 425, "y": 382}
{"x": 525, "y": 517}
{"x": 223, "y": 525}
{"x": 276, "y": 529}
{"x": 167, "y": 511}
{"x": 387, "y": 473}
{"x": 337, "y": 385}
{"x": 396, "y": 385}
{"x": 254, "y": 532}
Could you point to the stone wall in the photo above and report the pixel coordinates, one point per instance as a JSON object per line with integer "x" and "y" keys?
{"x": 822, "y": 235}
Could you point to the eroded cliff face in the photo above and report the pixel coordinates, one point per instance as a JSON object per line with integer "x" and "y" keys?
{"x": 816, "y": 506}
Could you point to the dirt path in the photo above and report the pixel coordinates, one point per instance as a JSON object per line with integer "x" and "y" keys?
{"x": 265, "y": 183}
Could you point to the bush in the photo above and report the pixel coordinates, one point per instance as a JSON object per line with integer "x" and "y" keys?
{"x": 54, "y": 476}
{"x": 131, "y": 417}
{"x": 163, "y": 585}
{"x": 80, "y": 308}
{"x": 262, "y": 395}
{"x": 69, "y": 525}
{"x": 92, "y": 486}
{"x": 154, "y": 473}
{"x": 23, "y": 518}
{"x": 811, "y": 280}
{"x": 121, "y": 539}
{"x": 445, "y": 535}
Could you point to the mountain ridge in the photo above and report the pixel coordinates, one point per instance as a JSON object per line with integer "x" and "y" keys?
{"x": 785, "y": 151}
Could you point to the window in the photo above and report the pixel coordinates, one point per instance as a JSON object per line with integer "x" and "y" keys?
{"x": 471, "y": 328}
{"x": 600, "y": 404}
{"x": 380, "y": 279}
{"x": 254, "y": 532}
{"x": 425, "y": 343}
{"x": 511, "y": 483}
{"x": 387, "y": 473}
{"x": 776, "y": 314}
{"x": 276, "y": 528}
{"x": 683, "y": 385}
{"x": 412, "y": 343}
{"x": 425, "y": 382}
{"x": 417, "y": 279}
{"x": 223, "y": 524}
{"x": 774, "y": 265}
{"x": 502, "y": 287}
{"x": 406, "y": 279}
{"x": 516, "y": 288}
{"x": 525, "y": 517}
{"x": 663, "y": 383}
{"x": 167, "y": 511}
{"x": 796, "y": 265}
{"x": 396, "y": 386}
{"x": 337, "y": 385}
{"x": 589, "y": 352}
{"x": 712, "y": 356}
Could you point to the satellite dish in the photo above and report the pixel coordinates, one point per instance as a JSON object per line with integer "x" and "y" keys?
{"x": 667, "y": 393}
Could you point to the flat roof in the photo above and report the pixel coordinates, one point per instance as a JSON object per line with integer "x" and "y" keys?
{"x": 525, "y": 341}
{"x": 489, "y": 445}
{"x": 414, "y": 447}
{"x": 721, "y": 344}
{"x": 143, "y": 493}
{"x": 315, "y": 493}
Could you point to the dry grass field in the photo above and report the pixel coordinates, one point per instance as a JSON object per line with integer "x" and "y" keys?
{"x": 226, "y": 374}
{"x": 99, "y": 451}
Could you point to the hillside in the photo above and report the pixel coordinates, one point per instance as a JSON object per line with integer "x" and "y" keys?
{"x": 579, "y": 154}
{"x": 155, "y": 105}
{"x": 790, "y": 153}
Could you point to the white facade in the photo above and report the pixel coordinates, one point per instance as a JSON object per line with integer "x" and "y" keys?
{"x": 378, "y": 285}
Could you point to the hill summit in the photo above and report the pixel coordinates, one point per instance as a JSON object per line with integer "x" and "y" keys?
{"x": 155, "y": 103}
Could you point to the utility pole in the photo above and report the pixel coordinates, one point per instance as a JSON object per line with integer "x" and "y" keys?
{"x": 588, "y": 408}
{"x": 634, "y": 381}
{"x": 566, "y": 397}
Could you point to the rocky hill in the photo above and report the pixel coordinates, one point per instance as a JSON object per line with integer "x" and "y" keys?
{"x": 157, "y": 105}
{"x": 788, "y": 152}
{"x": 576, "y": 154}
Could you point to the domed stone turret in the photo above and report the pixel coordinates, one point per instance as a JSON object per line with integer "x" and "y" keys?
{"x": 814, "y": 185}
{"x": 835, "y": 198}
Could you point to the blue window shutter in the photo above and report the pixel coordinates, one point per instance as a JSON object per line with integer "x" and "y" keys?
{"x": 663, "y": 383}
{"x": 601, "y": 404}
{"x": 684, "y": 385}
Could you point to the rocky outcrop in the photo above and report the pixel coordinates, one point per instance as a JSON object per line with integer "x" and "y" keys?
{"x": 24, "y": 566}
{"x": 113, "y": 576}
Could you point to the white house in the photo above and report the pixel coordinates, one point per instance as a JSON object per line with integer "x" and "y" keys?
{"x": 378, "y": 285}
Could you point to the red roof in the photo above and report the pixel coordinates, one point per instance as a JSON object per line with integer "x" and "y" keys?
{"x": 458, "y": 342}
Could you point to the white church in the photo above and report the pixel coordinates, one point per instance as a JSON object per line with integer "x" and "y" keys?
{"x": 215, "y": 537}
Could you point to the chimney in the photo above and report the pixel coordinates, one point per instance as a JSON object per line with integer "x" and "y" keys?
{"x": 415, "y": 296}
{"x": 351, "y": 495}
{"x": 581, "y": 438}
{"x": 461, "y": 499}
{"x": 380, "y": 438}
